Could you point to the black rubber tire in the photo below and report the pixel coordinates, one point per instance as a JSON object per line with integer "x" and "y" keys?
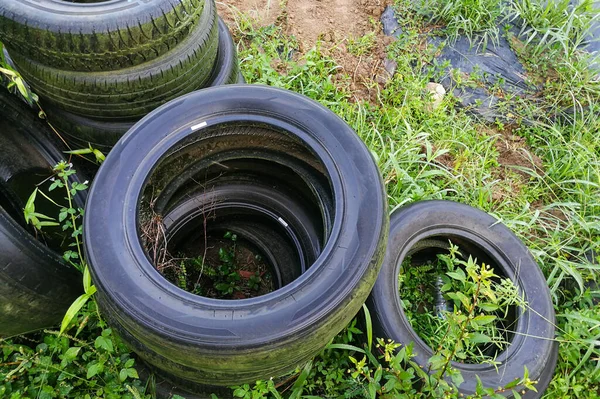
{"x": 210, "y": 341}
{"x": 97, "y": 36}
{"x": 227, "y": 65}
{"x": 80, "y": 131}
{"x": 290, "y": 249}
{"x": 481, "y": 235}
{"x": 36, "y": 286}
{"x": 130, "y": 92}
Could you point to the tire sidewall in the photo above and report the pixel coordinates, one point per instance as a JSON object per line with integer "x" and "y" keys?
{"x": 532, "y": 345}
{"x": 338, "y": 282}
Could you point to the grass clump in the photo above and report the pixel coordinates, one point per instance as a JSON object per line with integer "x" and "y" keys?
{"x": 469, "y": 17}
{"x": 551, "y": 44}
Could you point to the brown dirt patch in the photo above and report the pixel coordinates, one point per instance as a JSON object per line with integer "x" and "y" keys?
{"x": 336, "y": 23}
{"x": 309, "y": 20}
{"x": 514, "y": 151}
{"x": 514, "y": 155}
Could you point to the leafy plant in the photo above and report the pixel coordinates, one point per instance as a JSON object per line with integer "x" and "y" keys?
{"x": 450, "y": 300}
{"x": 225, "y": 278}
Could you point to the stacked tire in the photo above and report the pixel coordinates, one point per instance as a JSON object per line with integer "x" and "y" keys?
{"x": 36, "y": 285}
{"x": 272, "y": 167}
{"x": 100, "y": 66}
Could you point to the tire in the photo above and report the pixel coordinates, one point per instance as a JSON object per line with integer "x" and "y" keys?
{"x": 80, "y": 131}
{"x": 476, "y": 233}
{"x": 227, "y": 66}
{"x": 133, "y": 92}
{"x": 36, "y": 286}
{"x": 98, "y": 36}
{"x": 225, "y": 342}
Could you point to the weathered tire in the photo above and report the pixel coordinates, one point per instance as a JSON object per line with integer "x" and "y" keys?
{"x": 210, "y": 341}
{"x": 227, "y": 65}
{"x": 129, "y": 92}
{"x": 36, "y": 286}
{"x": 98, "y": 36}
{"x": 478, "y": 234}
{"x": 80, "y": 131}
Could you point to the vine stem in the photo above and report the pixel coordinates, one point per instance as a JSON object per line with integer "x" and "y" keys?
{"x": 73, "y": 220}
{"x": 463, "y": 329}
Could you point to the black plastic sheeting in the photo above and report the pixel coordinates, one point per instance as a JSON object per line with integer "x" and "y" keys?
{"x": 495, "y": 65}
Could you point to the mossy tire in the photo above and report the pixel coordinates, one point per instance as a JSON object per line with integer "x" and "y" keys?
{"x": 97, "y": 36}
{"x": 36, "y": 285}
{"x": 130, "y": 92}
{"x": 227, "y": 342}
{"x": 80, "y": 131}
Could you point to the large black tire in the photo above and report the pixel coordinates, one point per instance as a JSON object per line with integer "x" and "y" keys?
{"x": 220, "y": 342}
{"x": 130, "y": 92}
{"x": 36, "y": 286}
{"x": 80, "y": 131}
{"x": 97, "y": 36}
{"x": 482, "y": 236}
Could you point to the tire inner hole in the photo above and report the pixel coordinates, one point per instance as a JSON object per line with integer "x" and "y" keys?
{"x": 236, "y": 213}
{"x": 425, "y": 290}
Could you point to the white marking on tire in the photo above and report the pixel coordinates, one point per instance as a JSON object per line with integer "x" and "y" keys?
{"x": 282, "y": 222}
{"x": 198, "y": 126}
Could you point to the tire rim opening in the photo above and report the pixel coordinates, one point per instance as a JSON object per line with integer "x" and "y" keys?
{"x": 235, "y": 212}
{"x": 446, "y": 297}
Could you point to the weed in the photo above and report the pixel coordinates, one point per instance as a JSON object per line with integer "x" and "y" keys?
{"x": 468, "y": 17}
{"x": 362, "y": 45}
{"x": 447, "y": 299}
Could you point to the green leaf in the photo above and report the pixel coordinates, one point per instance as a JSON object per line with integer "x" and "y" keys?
{"x": 94, "y": 369}
{"x": 372, "y": 390}
{"x": 104, "y": 343}
{"x": 123, "y": 375}
{"x": 512, "y": 384}
{"x": 484, "y": 319}
{"x": 298, "y": 386}
{"x": 99, "y": 156}
{"x": 73, "y": 310}
{"x": 87, "y": 280}
{"x": 30, "y": 205}
{"x": 71, "y": 353}
{"x": 346, "y": 347}
{"x": 488, "y": 307}
{"x": 82, "y": 151}
{"x": 369, "y": 326}
{"x": 479, "y": 338}
{"x": 458, "y": 275}
{"x": 132, "y": 373}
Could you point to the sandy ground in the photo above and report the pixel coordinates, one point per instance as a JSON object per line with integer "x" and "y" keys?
{"x": 331, "y": 21}
{"x": 310, "y": 19}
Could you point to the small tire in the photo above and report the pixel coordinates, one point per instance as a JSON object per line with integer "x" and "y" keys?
{"x": 36, "y": 285}
{"x": 80, "y": 131}
{"x": 98, "y": 36}
{"x": 210, "y": 341}
{"x": 129, "y": 93}
{"x": 476, "y": 233}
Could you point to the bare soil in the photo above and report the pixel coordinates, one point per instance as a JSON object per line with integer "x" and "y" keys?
{"x": 334, "y": 22}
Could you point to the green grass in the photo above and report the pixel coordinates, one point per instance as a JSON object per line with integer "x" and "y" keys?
{"x": 551, "y": 200}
